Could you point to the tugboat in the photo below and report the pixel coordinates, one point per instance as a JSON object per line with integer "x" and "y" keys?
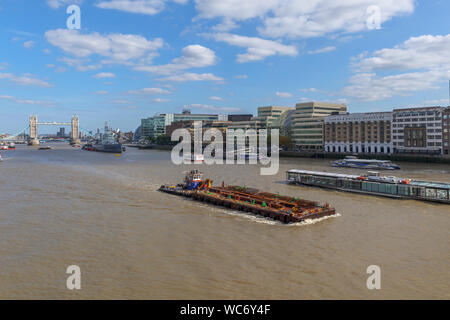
{"x": 274, "y": 206}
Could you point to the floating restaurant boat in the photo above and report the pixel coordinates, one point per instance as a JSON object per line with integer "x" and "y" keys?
{"x": 374, "y": 184}
{"x": 353, "y": 162}
{"x": 282, "y": 208}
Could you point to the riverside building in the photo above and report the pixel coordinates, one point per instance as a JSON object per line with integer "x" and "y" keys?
{"x": 269, "y": 117}
{"x": 307, "y": 123}
{"x": 155, "y": 126}
{"x": 446, "y": 131}
{"x": 418, "y": 130}
{"x": 359, "y": 133}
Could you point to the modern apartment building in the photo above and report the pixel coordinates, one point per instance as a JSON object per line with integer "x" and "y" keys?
{"x": 239, "y": 117}
{"x": 307, "y": 123}
{"x": 270, "y": 117}
{"x": 418, "y": 130}
{"x": 358, "y": 133}
{"x": 155, "y": 126}
{"x": 446, "y": 131}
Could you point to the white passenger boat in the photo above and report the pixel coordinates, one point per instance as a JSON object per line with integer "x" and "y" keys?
{"x": 353, "y": 162}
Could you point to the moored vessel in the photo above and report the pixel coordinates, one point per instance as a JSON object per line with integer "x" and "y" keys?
{"x": 108, "y": 143}
{"x": 373, "y": 183}
{"x": 354, "y": 162}
{"x": 274, "y": 206}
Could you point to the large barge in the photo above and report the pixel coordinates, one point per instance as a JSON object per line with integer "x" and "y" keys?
{"x": 373, "y": 184}
{"x": 274, "y": 206}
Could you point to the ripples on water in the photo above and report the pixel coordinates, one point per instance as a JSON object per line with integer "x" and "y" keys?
{"x": 65, "y": 206}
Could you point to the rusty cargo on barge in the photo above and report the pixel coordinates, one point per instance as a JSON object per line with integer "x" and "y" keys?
{"x": 274, "y": 206}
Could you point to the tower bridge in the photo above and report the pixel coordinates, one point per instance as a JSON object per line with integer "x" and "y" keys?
{"x": 34, "y": 124}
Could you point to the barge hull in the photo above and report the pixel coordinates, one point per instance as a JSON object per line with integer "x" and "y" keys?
{"x": 247, "y": 207}
{"x": 377, "y": 194}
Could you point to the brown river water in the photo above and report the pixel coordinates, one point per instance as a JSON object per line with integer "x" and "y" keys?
{"x": 102, "y": 212}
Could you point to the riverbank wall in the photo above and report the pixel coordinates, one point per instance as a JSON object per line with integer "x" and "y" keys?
{"x": 296, "y": 154}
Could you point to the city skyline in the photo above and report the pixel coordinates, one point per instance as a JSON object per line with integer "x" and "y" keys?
{"x": 213, "y": 57}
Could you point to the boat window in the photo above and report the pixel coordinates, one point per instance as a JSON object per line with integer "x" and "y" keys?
{"x": 442, "y": 194}
{"x": 431, "y": 193}
{"x": 404, "y": 190}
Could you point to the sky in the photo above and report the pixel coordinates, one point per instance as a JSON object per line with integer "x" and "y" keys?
{"x": 131, "y": 59}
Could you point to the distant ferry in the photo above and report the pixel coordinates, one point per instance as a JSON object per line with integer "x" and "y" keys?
{"x": 353, "y": 162}
{"x": 374, "y": 184}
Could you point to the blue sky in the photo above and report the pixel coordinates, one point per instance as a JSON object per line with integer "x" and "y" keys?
{"x": 135, "y": 58}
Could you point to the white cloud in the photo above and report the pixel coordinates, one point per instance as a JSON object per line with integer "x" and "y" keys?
{"x": 425, "y": 60}
{"x": 187, "y": 76}
{"x": 257, "y": 48}
{"x": 102, "y": 92}
{"x": 193, "y": 56}
{"x": 149, "y": 7}
{"x": 283, "y": 94}
{"x": 28, "y": 44}
{"x": 160, "y": 100}
{"x": 149, "y": 91}
{"x": 25, "y": 80}
{"x": 214, "y": 98}
{"x": 213, "y": 108}
{"x": 121, "y": 101}
{"x": 309, "y": 90}
{"x": 322, "y": 50}
{"x": 424, "y": 52}
{"x": 27, "y": 101}
{"x": 3, "y": 65}
{"x": 303, "y": 18}
{"x": 438, "y": 102}
{"x": 370, "y": 87}
{"x": 80, "y": 64}
{"x": 241, "y": 76}
{"x": 116, "y": 47}
{"x": 55, "y": 4}
{"x": 103, "y": 75}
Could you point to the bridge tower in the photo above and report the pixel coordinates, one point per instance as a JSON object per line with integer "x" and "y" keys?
{"x": 33, "y": 141}
{"x": 75, "y": 137}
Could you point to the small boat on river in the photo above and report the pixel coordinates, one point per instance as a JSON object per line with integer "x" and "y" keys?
{"x": 353, "y": 162}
